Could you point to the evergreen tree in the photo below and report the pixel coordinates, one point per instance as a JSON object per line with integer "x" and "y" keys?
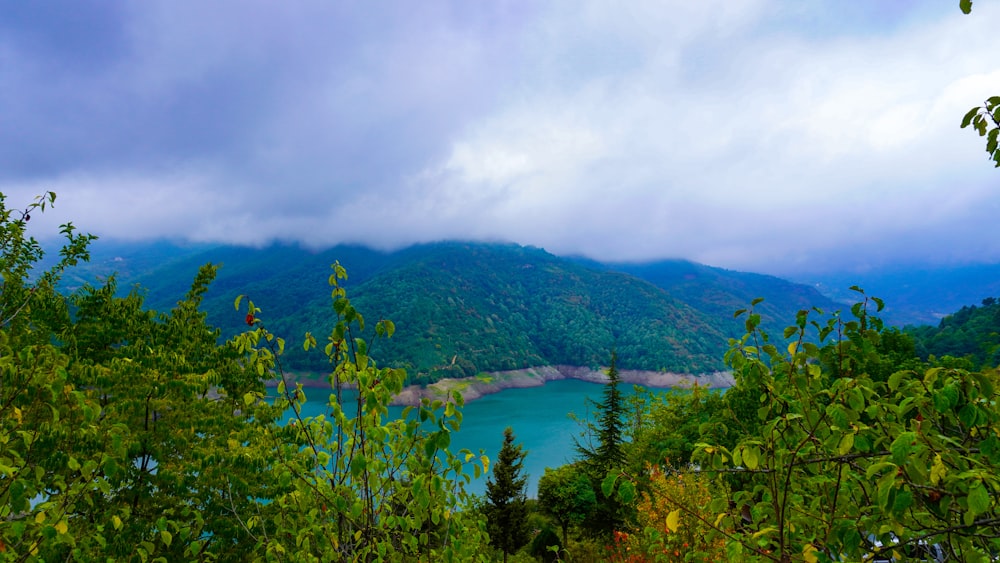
{"x": 607, "y": 457}
{"x": 610, "y": 454}
{"x": 507, "y": 512}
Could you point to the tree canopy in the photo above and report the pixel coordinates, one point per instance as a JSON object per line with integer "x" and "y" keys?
{"x": 136, "y": 435}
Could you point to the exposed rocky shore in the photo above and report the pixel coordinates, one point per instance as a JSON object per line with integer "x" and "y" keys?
{"x": 473, "y": 388}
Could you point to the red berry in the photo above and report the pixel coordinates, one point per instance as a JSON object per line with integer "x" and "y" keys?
{"x": 250, "y": 319}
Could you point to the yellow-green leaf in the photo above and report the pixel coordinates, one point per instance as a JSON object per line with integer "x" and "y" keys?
{"x": 938, "y": 470}
{"x": 674, "y": 520}
{"x": 809, "y": 553}
{"x": 62, "y": 527}
{"x": 751, "y": 457}
{"x": 846, "y": 444}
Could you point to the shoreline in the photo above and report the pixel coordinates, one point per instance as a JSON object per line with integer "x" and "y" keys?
{"x": 473, "y": 388}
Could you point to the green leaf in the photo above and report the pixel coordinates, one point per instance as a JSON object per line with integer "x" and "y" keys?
{"x": 967, "y": 120}
{"x": 896, "y": 378}
{"x": 846, "y": 444}
{"x": 984, "y": 383}
{"x": 734, "y": 551}
{"x": 608, "y": 485}
{"x": 979, "y": 498}
{"x": 901, "y": 447}
{"x": 903, "y": 501}
{"x": 938, "y": 470}
{"x": 991, "y": 140}
{"x": 626, "y": 491}
{"x": 965, "y": 6}
{"x": 946, "y": 398}
{"x": 968, "y": 415}
{"x": 358, "y": 465}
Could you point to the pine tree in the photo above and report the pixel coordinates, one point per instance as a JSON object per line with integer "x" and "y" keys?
{"x": 610, "y": 454}
{"x": 607, "y": 456}
{"x": 506, "y": 510}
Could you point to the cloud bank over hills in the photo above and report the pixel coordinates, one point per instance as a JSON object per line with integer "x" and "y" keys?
{"x": 755, "y": 135}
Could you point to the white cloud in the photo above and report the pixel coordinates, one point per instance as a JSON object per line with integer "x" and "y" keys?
{"x": 745, "y": 134}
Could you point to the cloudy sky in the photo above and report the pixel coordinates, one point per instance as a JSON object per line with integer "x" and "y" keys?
{"x": 767, "y": 135}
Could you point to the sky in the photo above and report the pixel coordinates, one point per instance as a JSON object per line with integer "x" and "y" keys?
{"x": 762, "y": 135}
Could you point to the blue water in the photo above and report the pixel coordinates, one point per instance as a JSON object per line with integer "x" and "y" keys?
{"x": 540, "y": 417}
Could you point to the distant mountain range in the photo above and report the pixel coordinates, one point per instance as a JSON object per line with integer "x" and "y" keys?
{"x": 915, "y": 295}
{"x": 464, "y": 308}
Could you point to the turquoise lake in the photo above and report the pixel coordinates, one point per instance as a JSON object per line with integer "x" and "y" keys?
{"x": 540, "y": 417}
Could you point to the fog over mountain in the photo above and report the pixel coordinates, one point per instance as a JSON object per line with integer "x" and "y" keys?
{"x": 760, "y": 135}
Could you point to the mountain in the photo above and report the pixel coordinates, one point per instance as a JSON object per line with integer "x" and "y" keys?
{"x": 914, "y": 295}
{"x": 719, "y": 292}
{"x": 465, "y": 308}
{"x": 971, "y": 332}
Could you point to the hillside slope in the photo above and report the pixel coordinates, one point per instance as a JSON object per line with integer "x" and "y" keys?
{"x": 465, "y": 308}
{"x": 915, "y": 295}
{"x": 718, "y": 292}
{"x": 971, "y": 332}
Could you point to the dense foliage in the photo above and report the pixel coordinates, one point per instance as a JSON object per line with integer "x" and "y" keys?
{"x": 134, "y": 435}
{"x": 971, "y": 333}
{"x": 837, "y": 443}
{"x": 465, "y": 308}
{"x": 718, "y": 292}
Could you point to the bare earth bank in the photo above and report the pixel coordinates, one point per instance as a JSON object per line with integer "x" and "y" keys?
{"x": 473, "y": 388}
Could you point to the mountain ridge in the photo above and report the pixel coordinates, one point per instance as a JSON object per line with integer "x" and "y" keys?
{"x": 463, "y": 308}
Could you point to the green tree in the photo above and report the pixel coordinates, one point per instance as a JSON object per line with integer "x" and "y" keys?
{"x": 41, "y": 413}
{"x": 115, "y": 418}
{"x": 506, "y": 510}
{"x": 665, "y": 426}
{"x": 609, "y": 429}
{"x": 354, "y": 484}
{"x": 566, "y": 495}
{"x": 170, "y": 400}
{"x": 847, "y": 466}
{"x": 134, "y": 435}
{"x": 605, "y": 460}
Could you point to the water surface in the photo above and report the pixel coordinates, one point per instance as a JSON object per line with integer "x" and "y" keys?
{"x": 540, "y": 417}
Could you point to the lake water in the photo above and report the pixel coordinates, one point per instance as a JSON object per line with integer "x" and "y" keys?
{"x": 540, "y": 417}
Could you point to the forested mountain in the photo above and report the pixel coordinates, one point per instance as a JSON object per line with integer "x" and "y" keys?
{"x": 914, "y": 294}
{"x": 464, "y": 308}
{"x": 718, "y": 292}
{"x": 972, "y": 332}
